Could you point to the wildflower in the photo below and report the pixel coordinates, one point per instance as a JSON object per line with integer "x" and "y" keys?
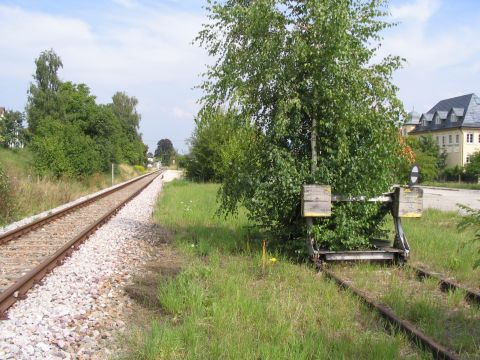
{"x": 273, "y": 260}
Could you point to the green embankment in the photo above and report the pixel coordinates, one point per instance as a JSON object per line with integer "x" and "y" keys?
{"x": 436, "y": 243}
{"x": 31, "y": 194}
{"x": 225, "y": 305}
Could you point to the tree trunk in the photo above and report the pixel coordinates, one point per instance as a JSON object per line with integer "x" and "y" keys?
{"x": 313, "y": 142}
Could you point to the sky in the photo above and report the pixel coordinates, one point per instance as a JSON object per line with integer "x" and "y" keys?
{"x": 144, "y": 47}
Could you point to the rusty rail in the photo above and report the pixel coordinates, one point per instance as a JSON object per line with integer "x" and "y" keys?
{"x": 19, "y": 289}
{"x": 21, "y": 230}
{"x": 446, "y": 285}
{"x": 415, "y": 335}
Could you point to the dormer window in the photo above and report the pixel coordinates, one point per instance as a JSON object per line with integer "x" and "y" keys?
{"x": 437, "y": 120}
{"x": 453, "y": 117}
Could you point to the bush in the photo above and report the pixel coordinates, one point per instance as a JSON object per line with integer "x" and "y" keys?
{"x": 472, "y": 219}
{"x": 139, "y": 168}
{"x": 63, "y": 150}
{"x": 6, "y": 200}
{"x": 472, "y": 169}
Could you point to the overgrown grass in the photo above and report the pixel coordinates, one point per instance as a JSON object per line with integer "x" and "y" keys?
{"x": 436, "y": 243}
{"x": 453, "y": 185}
{"x": 444, "y": 316}
{"x": 225, "y": 304}
{"x": 33, "y": 194}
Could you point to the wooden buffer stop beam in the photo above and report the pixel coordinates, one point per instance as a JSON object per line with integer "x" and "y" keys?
{"x": 402, "y": 202}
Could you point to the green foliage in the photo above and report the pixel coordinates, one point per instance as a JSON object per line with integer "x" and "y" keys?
{"x": 472, "y": 220}
{"x": 214, "y": 129}
{"x": 427, "y": 157}
{"x": 165, "y": 151}
{"x": 124, "y": 109}
{"x": 63, "y": 150}
{"x": 139, "y": 168}
{"x": 72, "y": 135}
{"x": 12, "y": 133}
{"x": 43, "y": 95}
{"x": 182, "y": 161}
{"x": 6, "y": 199}
{"x": 296, "y": 72}
{"x": 472, "y": 169}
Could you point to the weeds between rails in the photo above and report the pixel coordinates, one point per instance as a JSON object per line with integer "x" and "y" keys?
{"x": 438, "y": 319}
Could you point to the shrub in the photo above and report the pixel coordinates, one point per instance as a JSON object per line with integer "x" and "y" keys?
{"x": 139, "y": 168}
{"x": 6, "y": 199}
{"x": 472, "y": 169}
{"x": 472, "y": 219}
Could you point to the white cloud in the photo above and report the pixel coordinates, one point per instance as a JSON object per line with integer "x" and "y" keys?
{"x": 420, "y": 10}
{"x": 146, "y": 51}
{"x": 126, "y": 3}
{"x": 442, "y": 60}
{"x": 182, "y": 114}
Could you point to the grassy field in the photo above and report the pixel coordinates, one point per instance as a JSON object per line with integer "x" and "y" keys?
{"x": 436, "y": 243}
{"x": 446, "y": 317}
{"x": 453, "y": 185}
{"x": 33, "y": 194}
{"x": 228, "y": 302}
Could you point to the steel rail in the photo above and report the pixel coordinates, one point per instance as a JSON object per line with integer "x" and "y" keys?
{"x": 19, "y": 289}
{"x": 22, "y": 230}
{"x": 415, "y": 335}
{"x": 446, "y": 285}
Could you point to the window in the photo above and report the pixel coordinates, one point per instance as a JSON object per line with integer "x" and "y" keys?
{"x": 457, "y": 139}
{"x": 453, "y": 118}
{"x": 443, "y": 140}
{"x": 468, "y": 159}
{"x": 437, "y": 120}
{"x": 470, "y": 138}
{"x": 438, "y": 140}
{"x": 450, "y": 139}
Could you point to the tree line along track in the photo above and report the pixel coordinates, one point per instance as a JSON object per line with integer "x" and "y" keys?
{"x": 372, "y": 297}
{"x": 29, "y": 252}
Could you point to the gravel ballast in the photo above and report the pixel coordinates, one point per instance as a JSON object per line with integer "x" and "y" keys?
{"x": 79, "y": 309}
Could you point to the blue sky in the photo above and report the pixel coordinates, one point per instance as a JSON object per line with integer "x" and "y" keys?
{"x": 144, "y": 47}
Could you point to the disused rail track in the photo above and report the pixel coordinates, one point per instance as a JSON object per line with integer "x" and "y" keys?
{"x": 414, "y": 334}
{"x": 31, "y": 251}
{"x": 448, "y": 285}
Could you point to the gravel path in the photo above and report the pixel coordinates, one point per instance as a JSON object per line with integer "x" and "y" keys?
{"x": 80, "y": 308}
{"x": 22, "y": 254}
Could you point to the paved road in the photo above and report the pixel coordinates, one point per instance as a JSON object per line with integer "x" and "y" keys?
{"x": 447, "y": 199}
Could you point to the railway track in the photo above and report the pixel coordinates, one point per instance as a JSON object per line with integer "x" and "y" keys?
{"x": 373, "y": 299}
{"x": 29, "y": 252}
{"x": 448, "y": 285}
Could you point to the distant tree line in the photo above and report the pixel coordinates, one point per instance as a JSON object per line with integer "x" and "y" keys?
{"x": 427, "y": 154}
{"x": 69, "y": 133}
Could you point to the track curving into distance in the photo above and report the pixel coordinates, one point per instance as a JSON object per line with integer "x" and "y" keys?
{"x": 29, "y": 252}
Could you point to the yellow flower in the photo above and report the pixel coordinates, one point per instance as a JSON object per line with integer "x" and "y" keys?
{"x": 273, "y": 260}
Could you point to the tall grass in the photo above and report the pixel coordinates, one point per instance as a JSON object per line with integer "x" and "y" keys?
{"x": 230, "y": 303}
{"x": 444, "y": 316}
{"x": 32, "y": 194}
{"x": 436, "y": 243}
